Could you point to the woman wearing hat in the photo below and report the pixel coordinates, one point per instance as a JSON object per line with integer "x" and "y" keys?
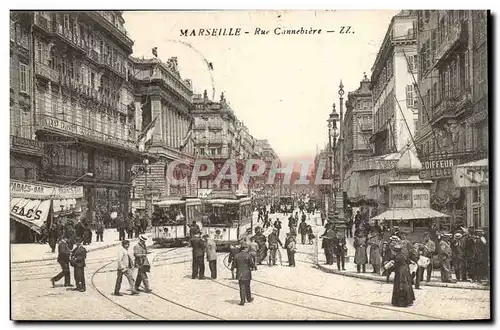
{"x": 402, "y": 291}
{"x": 260, "y": 239}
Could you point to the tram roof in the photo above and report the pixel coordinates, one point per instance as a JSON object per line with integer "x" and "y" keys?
{"x": 227, "y": 201}
{"x": 166, "y": 203}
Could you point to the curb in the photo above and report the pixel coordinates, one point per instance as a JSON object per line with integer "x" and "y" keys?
{"x": 54, "y": 257}
{"x": 382, "y": 279}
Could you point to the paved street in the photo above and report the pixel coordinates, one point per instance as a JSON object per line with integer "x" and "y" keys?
{"x": 280, "y": 292}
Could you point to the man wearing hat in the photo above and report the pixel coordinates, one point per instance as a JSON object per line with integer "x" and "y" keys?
{"x": 63, "y": 260}
{"x": 78, "y": 256}
{"x": 481, "y": 255}
{"x": 428, "y": 251}
{"x": 142, "y": 264}
{"x": 244, "y": 266}
{"x": 124, "y": 267}
{"x": 211, "y": 248}
{"x": 273, "y": 241}
{"x": 198, "y": 264}
{"x": 445, "y": 258}
{"x": 458, "y": 256}
{"x": 291, "y": 248}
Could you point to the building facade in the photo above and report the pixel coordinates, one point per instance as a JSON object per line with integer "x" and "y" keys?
{"x": 358, "y": 128}
{"x": 394, "y": 75}
{"x": 162, "y": 96}
{"x": 453, "y": 118}
{"x": 84, "y": 105}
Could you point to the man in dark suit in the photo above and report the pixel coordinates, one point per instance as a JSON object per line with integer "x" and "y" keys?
{"x": 63, "y": 260}
{"x": 198, "y": 246}
{"x": 78, "y": 256}
{"x": 244, "y": 266}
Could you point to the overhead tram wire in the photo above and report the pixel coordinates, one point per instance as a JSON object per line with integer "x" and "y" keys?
{"x": 406, "y": 122}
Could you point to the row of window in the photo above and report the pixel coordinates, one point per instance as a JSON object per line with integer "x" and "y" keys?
{"x": 211, "y": 151}
{"x": 385, "y": 111}
{"x": 383, "y": 78}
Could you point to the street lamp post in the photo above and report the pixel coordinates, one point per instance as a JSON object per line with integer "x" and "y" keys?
{"x": 145, "y": 163}
{"x": 340, "y": 198}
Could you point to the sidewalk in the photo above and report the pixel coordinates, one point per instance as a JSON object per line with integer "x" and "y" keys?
{"x": 351, "y": 270}
{"x": 31, "y": 252}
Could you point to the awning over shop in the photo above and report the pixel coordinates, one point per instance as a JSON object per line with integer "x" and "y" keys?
{"x": 473, "y": 174}
{"x": 30, "y": 212}
{"x": 409, "y": 214}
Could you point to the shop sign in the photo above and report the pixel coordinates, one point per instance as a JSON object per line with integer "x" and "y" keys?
{"x": 421, "y": 198}
{"x": 438, "y": 168}
{"x": 401, "y": 197}
{"x": 84, "y": 132}
{"x": 38, "y": 191}
{"x": 26, "y": 145}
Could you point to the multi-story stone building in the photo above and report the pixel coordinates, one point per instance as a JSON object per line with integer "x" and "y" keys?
{"x": 394, "y": 75}
{"x": 162, "y": 96}
{"x": 358, "y": 128}
{"x": 453, "y": 119}
{"x": 83, "y": 105}
{"x": 214, "y": 127}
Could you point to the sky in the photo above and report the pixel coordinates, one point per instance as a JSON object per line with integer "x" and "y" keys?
{"x": 281, "y": 86}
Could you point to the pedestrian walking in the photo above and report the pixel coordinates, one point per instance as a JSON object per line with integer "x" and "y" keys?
{"x": 360, "y": 258}
{"x": 429, "y": 250}
{"x": 87, "y": 233}
{"x": 328, "y": 243}
{"x": 63, "y": 260}
{"x": 445, "y": 258}
{"x": 211, "y": 256}
{"x": 260, "y": 239}
{"x": 277, "y": 225}
{"x": 291, "y": 248}
{"x": 402, "y": 291}
{"x": 310, "y": 235}
{"x": 198, "y": 264}
{"x": 244, "y": 267}
{"x": 253, "y": 247}
{"x": 458, "y": 257}
{"x": 130, "y": 226}
{"x": 273, "y": 241}
{"x": 99, "y": 232}
{"x": 77, "y": 260}
{"x": 348, "y": 230}
{"x": 124, "y": 268}
{"x": 340, "y": 250}
{"x": 142, "y": 264}
{"x": 303, "y": 230}
{"x": 375, "y": 257}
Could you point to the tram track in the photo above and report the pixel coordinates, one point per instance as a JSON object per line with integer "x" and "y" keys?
{"x": 153, "y": 294}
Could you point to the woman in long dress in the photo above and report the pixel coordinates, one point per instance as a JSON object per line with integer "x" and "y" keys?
{"x": 260, "y": 239}
{"x": 402, "y": 292}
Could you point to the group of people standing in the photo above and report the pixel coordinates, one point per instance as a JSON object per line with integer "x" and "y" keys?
{"x": 71, "y": 254}
{"x": 130, "y": 225}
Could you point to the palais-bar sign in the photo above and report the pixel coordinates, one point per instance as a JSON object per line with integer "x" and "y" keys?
{"x": 64, "y": 126}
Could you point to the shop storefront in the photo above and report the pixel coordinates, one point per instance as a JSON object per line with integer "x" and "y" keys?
{"x": 474, "y": 178}
{"x": 33, "y": 204}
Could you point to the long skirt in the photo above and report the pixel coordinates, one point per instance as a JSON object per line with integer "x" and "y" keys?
{"x": 261, "y": 253}
{"x": 402, "y": 292}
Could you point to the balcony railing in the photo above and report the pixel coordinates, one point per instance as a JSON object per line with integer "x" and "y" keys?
{"x": 456, "y": 35}
{"x": 70, "y": 38}
{"x": 445, "y": 108}
{"x": 43, "y": 23}
{"x": 47, "y": 72}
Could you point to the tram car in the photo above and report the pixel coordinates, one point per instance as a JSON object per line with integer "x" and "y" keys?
{"x": 227, "y": 220}
{"x": 172, "y": 219}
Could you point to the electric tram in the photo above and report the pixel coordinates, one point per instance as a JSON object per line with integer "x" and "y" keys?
{"x": 172, "y": 218}
{"x": 227, "y": 220}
